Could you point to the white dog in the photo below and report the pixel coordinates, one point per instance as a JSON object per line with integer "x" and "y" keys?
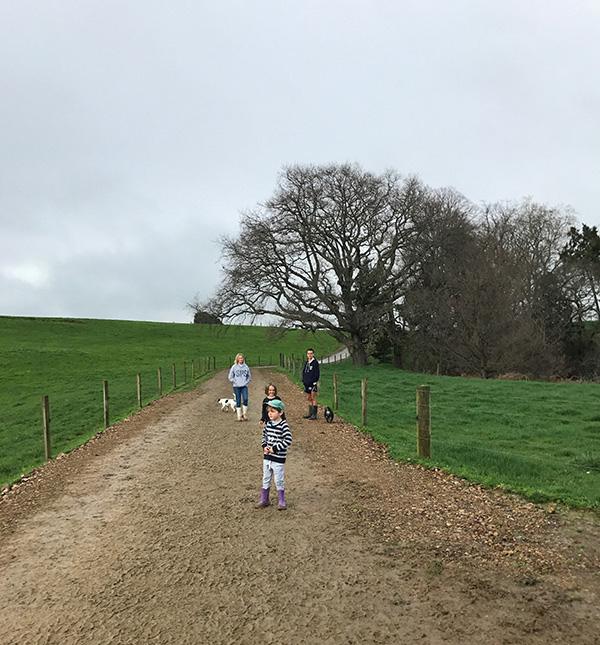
{"x": 227, "y": 403}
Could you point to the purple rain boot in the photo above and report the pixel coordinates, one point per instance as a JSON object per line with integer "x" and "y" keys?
{"x": 281, "y": 506}
{"x": 264, "y": 498}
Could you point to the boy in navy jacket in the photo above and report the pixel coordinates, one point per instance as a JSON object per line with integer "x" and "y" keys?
{"x": 310, "y": 378}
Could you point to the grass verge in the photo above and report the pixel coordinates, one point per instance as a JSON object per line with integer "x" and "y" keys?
{"x": 540, "y": 440}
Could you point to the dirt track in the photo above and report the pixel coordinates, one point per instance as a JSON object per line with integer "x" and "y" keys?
{"x": 149, "y": 534}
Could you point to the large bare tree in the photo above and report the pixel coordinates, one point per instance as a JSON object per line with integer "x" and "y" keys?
{"x": 328, "y": 251}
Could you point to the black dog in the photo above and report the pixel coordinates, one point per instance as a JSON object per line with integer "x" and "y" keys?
{"x": 328, "y": 414}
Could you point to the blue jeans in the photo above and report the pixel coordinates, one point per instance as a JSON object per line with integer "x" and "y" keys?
{"x": 241, "y": 394}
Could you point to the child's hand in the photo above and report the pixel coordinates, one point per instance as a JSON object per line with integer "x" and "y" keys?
{"x": 268, "y": 450}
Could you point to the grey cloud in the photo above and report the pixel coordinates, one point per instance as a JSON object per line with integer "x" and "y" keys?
{"x": 132, "y": 134}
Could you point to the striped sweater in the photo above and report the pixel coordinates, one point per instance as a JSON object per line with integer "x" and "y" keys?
{"x": 277, "y": 435}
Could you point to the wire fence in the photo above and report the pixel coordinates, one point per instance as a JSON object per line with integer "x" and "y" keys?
{"x": 165, "y": 384}
{"x": 586, "y": 459}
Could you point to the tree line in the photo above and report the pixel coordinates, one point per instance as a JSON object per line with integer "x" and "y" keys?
{"x": 417, "y": 276}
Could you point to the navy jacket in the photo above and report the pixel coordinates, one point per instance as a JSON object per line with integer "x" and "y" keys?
{"x": 311, "y": 373}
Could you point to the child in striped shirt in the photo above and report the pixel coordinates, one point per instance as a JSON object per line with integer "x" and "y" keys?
{"x": 275, "y": 441}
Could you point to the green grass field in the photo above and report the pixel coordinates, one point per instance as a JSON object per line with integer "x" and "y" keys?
{"x": 68, "y": 360}
{"x": 541, "y": 440}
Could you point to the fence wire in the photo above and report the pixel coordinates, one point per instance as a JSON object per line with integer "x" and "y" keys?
{"x": 462, "y": 442}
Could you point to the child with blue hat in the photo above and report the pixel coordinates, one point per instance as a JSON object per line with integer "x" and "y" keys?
{"x": 276, "y": 439}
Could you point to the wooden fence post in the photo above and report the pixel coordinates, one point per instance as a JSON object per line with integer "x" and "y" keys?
{"x": 159, "y": 382}
{"x": 139, "y": 389}
{"x": 214, "y": 362}
{"x": 174, "y": 377}
{"x": 106, "y": 414}
{"x": 193, "y": 374}
{"x": 364, "y": 401}
{"x": 46, "y": 417}
{"x": 184, "y": 372}
{"x": 335, "y": 392}
{"x": 423, "y": 421}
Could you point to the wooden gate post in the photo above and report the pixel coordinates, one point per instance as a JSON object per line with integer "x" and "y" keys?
{"x": 364, "y": 401}
{"x": 423, "y": 421}
{"x": 46, "y": 417}
{"x": 139, "y": 390}
{"x": 335, "y": 392}
{"x": 106, "y": 414}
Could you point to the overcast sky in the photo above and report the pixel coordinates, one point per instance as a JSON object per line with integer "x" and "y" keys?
{"x": 133, "y": 133}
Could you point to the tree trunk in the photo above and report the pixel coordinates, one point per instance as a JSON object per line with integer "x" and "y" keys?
{"x": 397, "y": 354}
{"x": 358, "y": 352}
{"x": 595, "y": 295}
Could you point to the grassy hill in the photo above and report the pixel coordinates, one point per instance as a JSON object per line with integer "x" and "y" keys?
{"x": 68, "y": 360}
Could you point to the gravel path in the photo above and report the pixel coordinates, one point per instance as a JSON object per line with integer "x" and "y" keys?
{"x": 148, "y": 534}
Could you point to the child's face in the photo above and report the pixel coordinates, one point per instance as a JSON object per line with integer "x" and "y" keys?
{"x": 310, "y": 354}
{"x": 271, "y": 392}
{"x": 274, "y": 414}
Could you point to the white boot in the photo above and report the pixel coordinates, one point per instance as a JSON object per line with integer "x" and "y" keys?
{"x": 239, "y": 413}
{"x": 244, "y": 410}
